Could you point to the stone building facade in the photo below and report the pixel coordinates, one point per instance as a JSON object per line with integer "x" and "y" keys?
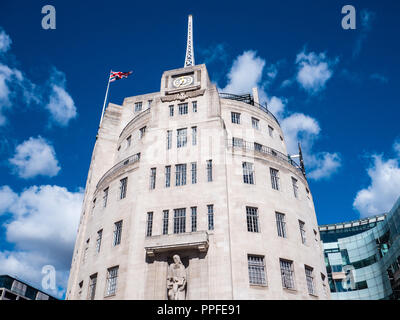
{"x": 189, "y": 171}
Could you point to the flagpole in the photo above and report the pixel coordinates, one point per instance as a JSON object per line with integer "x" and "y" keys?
{"x": 105, "y": 99}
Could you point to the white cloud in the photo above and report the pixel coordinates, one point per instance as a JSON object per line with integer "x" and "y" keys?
{"x": 323, "y": 165}
{"x": 314, "y": 70}
{"x": 34, "y": 157}
{"x": 379, "y": 77}
{"x": 5, "y": 41}
{"x": 277, "y": 106}
{"x": 43, "y": 230}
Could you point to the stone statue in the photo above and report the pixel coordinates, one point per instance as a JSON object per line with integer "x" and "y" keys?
{"x": 176, "y": 279}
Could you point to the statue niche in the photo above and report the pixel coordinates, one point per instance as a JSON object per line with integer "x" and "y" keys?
{"x": 176, "y": 280}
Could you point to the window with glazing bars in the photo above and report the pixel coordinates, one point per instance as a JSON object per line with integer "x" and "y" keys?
{"x": 237, "y": 142}
{"x": 92, "y": 286}
{"x": 142, "y": 132}
{"x": 295, "y": 187}
{"x": 255, "y": 123}
{"x": 165, "y": 221}
{"x": 235, "y": 117}
{"x": 171, "y": 110}
{"x": 169, "y": 139}
{"x": 209, "y": 170}
{"x": 122, "y": 188}
{"x": 138, "y": 106}
{"x": 167, "y": 176}
{"x": 302, "y": 231}
{"x": 248, "y": 173}
{"x": 210, "y": 209}
{"x": 98, "y": 240}
{"x": 194, "y": 105}
{"x": 117, "y": 233}
{"x": 183, "y": 108}
{"x": 280, "y": 224}
{"x": 274, "y": 178}
{"x": 257, "y": 147}
{"x": 194, "y": 218}
{"x": 194, "y": 136}
{"x": 149, "y": 102}
{"x": 180, "y": 174}
{"x": 128, "y": 141}
{"x": 181, "y": 137}
{"x": 105, "y": 197}
{"x": 271, "y": 131}
{"x": 310, "y": 279}
{"x": 194, "y": 172}
{"x": 252, "y": 219}
{"x": 153, "y": 178}
{"x": 180, "y": 220}
{"x": 256, "y": 267}
{"x": 149, "y": 228}
{"x": 287, "y": 274}
{"x": 19, "y": 287}
{"x": 111, "y": 284}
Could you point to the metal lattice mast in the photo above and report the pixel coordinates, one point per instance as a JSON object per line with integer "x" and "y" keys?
{"x": 189, "y": 59}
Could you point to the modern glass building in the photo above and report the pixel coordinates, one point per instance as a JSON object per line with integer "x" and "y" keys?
{"x": 362, "y": 257}
{"x": 13, "y": 289}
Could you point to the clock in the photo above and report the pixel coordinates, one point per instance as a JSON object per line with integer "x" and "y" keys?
{"x": 182, "y": 81}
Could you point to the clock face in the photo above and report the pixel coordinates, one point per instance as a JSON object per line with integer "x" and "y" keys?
{"x": 183, "y": 81}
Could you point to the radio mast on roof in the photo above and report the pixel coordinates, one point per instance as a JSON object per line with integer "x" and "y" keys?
{"x": 189, "y": 59}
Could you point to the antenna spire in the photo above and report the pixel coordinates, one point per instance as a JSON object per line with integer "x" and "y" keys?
{"x": 189, "y": 59}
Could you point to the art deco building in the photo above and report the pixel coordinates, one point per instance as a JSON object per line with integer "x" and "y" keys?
{"x": 192, "y": 190}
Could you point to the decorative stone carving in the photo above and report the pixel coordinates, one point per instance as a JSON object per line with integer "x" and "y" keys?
{"x": 182, "y": 95}
{"x": 176, "y": 280}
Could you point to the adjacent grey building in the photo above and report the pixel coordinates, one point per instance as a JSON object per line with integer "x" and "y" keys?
{"x": 15, "y": 289}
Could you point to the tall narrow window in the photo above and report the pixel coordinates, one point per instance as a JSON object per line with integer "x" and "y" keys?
{"x": 179, "y": 220}
{"x": 258, "y": 147}
{"x": 210, "y": 209}
{"x": 111, "y": 284}
{"x": 92, "y": 286}
{"x": 256, "y": 267}
{"x": 149, "y": 228}
{"x": 194, "y": 105}
{"x": 295, "y": 187}
{"x": 252, "y": 219}
{"x": 280, "y": 224}
{"x": 85, "y": 253}
{"x": 180, "y": 174}
{"x": 128, "y": 141}
{"x": 209, "y": 170}
{"x": 235, "y": 117}
{"x": 152, "y": 178}
{"x": 98, "y": 240}
{"x": 255, "y": 123}
{"x": 183, "y": 108}
{"x": 194, "y": 136}
{"x": 105, "y": 197}
{"x": 122, "y": 188}
{"x": 142, "y": 131}
{"x": 274, "y": 178}
{"x": 149, "y": 102}
{"x": 271, "y": 131}
{"x": 302, "y": 231}
{"x": 194, "y": 218}
{"x": 248, "y": 172}
{"x": 167, "y": 176}
{"x": 287, "y": 274}
{"x": 117, "y": 233}
{"x": 171, "y": 110}
{"x": 165, "y": 221}
{"x": 194, "y": 172}
{"x": 237, "y": 142}
{"x": 169, "y": 139}
{"x": 138, "y": 106}
{"x": 310, "y": 279}
{"x": 93, "y": 205}
{"x": 181, "y": 138}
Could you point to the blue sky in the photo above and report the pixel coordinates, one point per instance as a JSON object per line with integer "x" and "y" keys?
{"x": 335, "y": 90}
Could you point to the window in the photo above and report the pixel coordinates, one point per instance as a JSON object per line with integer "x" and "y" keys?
{"x": 235, "y": 117}
{"x": 179, "y": 220}
{"x": 128, "y": 141}
{"x": 85, "y": 253}
{"x": 169, "y": 139}
{"x": 149, "y": 228}
{"x": 194, "y": 105}
{"x": 315, "y": 235}
{"x": 274, "y": 178}
{"x": 287, "y": 274}
{"x": 165, "y": 221}
{"x": 256, "y": 267}
{"x": 302, "y": 231}
{"x": 183, "y": 108}
{"x": 271, "y": 131}
{"x": 117, "y": 233}
{"x": 93, "y": 205}
{"x": 142, "y": 132}
{"x": 111, "y": 284}
{"x": 180, "y": 174}
{"x": 194, "y": 172}
{"x": 210, "y": 209}
{"x": 255, "y": 123}
{"x": 194, "y": 218}
{"x": 98, "y": 240}
{"x": 295, "y": 187}
{"x": 167, "y": 176}
{"x": 40, "y": 296}
{"x": 248, "y": 173}
{"x": 252, "y": 219}
{"x": 92, "y": 286}
{"x": 18, "y": 288}
{"x": 257, "y": 147}
{"x": 194, "y": 136}
{"x": 149, "y": 102}
{"x": 153, "y": 178}
{"x": 237, "y": 142}
{"x": 105, "y": 197}
{"x": 171, "y": 110}
{"x": 280, "y": 224}
{"x": 181, "y": 138}
{"x": 138, "y": 106}
{"x": 122, "y": 188}
{"x": 310, "y": 279}
{"x": 209, "y": 170}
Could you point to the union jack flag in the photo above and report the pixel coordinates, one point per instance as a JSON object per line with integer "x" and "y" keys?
{"x": 119, "y": 75}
